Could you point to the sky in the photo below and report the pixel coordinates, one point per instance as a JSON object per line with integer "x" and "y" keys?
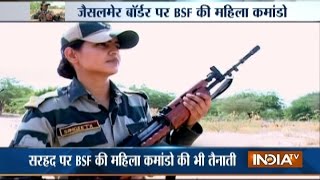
{"x": 61, "y": 4}
{"x": 172, "y": 57}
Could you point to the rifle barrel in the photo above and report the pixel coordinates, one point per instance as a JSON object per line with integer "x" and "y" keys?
{"x": 235, "y": 67}
{"x": 246, "y": 57}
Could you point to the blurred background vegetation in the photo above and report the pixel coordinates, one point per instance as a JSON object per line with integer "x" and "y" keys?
{"x": 58, "y": 8}
{"x": 245, "y": 105}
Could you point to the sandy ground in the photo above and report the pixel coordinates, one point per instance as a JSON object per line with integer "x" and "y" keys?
{"x": 9, "y": 124}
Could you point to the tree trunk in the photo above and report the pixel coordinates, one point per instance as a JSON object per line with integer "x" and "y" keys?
{"x": 1, "y": 108}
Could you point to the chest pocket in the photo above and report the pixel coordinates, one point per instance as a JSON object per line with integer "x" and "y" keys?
{"x": 87, "y": 134}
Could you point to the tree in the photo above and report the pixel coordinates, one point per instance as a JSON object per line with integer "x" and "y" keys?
{"x": 34, "y": 7}
{"x": 241, "y": 103}
{"x": 44, "y": 91}
{"x": 270, "y": 101}
{"x": 305, "y": 107}
{"x": 157, "y": 99}
{"x": 11, "y": 90}
{"x": 1, "y": 103}
{"x": 267, "y": 105}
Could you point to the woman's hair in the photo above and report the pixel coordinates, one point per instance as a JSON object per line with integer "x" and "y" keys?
{"x": 66, "y": 69}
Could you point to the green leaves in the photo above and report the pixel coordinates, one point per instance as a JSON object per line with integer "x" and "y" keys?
{"x": 157, "y": 99}
{"x": 14, "y": 95}
{"x": 242, "y": 105}
{"x": 305, "y": 107}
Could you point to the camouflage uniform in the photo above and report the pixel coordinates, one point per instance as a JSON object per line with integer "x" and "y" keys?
{"x": 42, "y": 15}
{"x": 70, "y": 117}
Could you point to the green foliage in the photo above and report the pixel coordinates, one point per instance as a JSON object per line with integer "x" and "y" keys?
{"x": 44, "y": 91}
{"x": 272, "y": 114}
{"x": 270, "y": 101}
{"x": 241, "y": 103}
{"x": 267, "y": 105}
{"x": 157, "y": 99}
{"x": 13, "y": 94}
{"x": 214, "y": 111}
{"x": 16, "y": 106}
{"x": 305, "y": 107}
{"x": 34, "y": 7}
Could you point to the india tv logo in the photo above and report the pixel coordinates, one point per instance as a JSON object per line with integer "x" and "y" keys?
{"x": 275, "y": 159}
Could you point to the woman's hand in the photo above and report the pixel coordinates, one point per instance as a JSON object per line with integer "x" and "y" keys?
{"x": 198, "y": 105}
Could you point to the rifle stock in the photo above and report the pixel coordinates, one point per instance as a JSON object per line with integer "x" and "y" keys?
{"x": 175, "y": 114}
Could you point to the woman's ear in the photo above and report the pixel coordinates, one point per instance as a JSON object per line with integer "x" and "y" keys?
{"x": 70, "y": 55}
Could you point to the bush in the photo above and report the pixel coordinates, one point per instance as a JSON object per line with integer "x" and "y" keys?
{"x": 157, "y": 99}
{"x": 16, "y": 106}
{"x": 43, "y": 91}
{"x": 268, "y": 104}
{"x": 304, "y": 108}
{"x": 272, "y": 114}
{"x": 13, "y": 95}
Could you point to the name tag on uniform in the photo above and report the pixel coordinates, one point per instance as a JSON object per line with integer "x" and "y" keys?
{"x": 77, "y": 128}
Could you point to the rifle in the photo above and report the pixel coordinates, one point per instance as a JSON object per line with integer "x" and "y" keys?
{"x": 175, "y": 114}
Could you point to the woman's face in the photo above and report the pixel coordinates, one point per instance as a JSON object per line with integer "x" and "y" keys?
{"x": 100, "y": 58}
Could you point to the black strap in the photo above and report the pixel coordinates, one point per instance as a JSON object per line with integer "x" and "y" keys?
{"x": 225, "y": 85}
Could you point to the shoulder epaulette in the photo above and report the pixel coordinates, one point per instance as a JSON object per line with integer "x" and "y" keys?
{"x": 35, "y": 101}
{"x": 143, "y": 94}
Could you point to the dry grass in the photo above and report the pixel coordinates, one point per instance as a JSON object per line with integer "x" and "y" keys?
{"x": 60, "y": 12}
{"x": 225, "y": 133}
{"x": 254, "y": 126}
{"x": 273, "y": 133}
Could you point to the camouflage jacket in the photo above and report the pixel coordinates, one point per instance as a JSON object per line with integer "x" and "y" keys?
{"x": 42, "y": 15}
{"x": 70, "y": 117}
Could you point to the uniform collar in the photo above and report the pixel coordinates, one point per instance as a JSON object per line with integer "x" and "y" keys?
{"x": 77, "y": 90}
{"x": 115, "y": 98}
{"x": 115, "y": 92}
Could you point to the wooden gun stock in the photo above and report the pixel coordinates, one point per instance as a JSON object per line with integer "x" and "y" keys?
{"x": 175, "y": 114}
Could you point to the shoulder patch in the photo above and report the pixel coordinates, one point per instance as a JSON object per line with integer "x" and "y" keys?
{"x": 35, "y": 101}
{"x": 143, "y": 94}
